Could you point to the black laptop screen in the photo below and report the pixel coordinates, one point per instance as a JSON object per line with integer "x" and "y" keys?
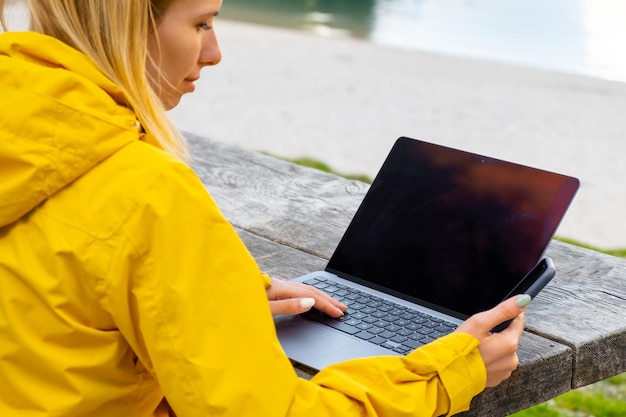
{"x": 451, "y": 228}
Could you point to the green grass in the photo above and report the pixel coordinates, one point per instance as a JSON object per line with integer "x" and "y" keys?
{"x": 615, "y": 252}
{"x": 603, "y": 399}
{"x": 313, "y": 163}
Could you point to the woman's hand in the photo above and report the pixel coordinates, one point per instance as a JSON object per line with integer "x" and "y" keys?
{"x": 287, "y": 297}
{"x": 498, "y": 350}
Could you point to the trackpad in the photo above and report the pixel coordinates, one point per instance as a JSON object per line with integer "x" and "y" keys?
{"x": 317, "y": 346}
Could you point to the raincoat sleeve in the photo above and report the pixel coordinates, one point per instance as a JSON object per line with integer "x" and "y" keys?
{"x": 191, "y": 302}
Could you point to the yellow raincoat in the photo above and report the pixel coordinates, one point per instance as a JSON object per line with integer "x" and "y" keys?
{"x": 121, "y": 282}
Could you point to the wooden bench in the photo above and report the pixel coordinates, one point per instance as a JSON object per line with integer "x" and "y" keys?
{"x": 292, "y": 217}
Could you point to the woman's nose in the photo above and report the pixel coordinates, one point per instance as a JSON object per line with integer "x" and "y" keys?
{"x": 210, "y": 53}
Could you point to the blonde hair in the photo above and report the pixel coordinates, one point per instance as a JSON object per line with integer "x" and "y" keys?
{"x": 113, "y": 34}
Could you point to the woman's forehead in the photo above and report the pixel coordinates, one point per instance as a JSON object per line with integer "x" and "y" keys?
{"x": 191, "y": 6}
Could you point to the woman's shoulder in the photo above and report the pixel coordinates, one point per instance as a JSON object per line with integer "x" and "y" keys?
{"x": 136, "y": 178}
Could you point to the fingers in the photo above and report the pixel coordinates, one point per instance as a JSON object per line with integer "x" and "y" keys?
{"x": 482, "y": 323}
{"x": 291, "y": 306}
{"x": 285, "y": 297}
{"x": 498, "y": 350}
{"x": 330, "y": 306}
{"x": 506, "y": 310}
{"x": 501, "y": 369}
{"x": 516, "y": 326}
{"x": 323, "y": 302}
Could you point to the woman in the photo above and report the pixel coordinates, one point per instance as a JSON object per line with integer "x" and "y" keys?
{"x": 123, "y": 290}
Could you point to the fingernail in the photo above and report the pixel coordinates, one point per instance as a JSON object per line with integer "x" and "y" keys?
{"x": 307, "y": 302}
{"x": 523, "y": 300}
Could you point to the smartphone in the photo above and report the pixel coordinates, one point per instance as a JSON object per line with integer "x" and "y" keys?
{"x": 532, "y": 284}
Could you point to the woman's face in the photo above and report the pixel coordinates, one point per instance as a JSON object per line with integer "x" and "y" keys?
{"x": 186, "y": 43}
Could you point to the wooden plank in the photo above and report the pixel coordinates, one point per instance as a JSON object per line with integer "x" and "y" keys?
{"x": 304, "y": 208}
{"x": 584, "y": 307}
{"x": 277, "y": 260}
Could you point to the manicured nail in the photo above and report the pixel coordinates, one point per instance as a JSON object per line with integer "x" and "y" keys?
{"x": 523, "y": 300}
{"x": 307, "y": 302}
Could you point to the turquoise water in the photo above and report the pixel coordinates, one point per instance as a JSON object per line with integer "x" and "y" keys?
{"x": 578, "y": 36}
{"x": 585, "y": 37}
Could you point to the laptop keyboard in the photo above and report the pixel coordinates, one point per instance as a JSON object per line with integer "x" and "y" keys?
{"x": 377, "y": 320}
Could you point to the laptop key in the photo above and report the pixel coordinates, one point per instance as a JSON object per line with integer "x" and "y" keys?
{"x": 364, "y": 335}
{"x": 389, "y": 317}
{"x": 389, "y": 345}
{"x": 401, "y": 349}
{"x": 375, "y": 330}
{"x": 377, "y": 340}
{"x": 374, "y": 304}
{"x": 393, "y": 328}
{"x": 413, "y": 344}
{"x": 443, "y": 329}
{"x": 346, "y": 328}
{"x": 380, "y": 323}
{"x": 352, "y": 322}
{"x": 370, "y": 319}
{"x": 356, "y": 315}
{"x": 387, "y": 334}
{"x": 405, "y": 332}
{"x": 398, "y": 339}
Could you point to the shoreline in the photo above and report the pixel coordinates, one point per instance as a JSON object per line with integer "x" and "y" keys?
{"x": 344, "y": 102}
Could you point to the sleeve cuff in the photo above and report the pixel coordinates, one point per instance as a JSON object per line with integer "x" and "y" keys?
{"x": 465, "y": 375}
{"x": 457, "y": 362}
{"x": 267, "y": 281}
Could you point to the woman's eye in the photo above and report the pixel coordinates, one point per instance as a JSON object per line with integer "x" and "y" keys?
{"x": 204, "y": 26}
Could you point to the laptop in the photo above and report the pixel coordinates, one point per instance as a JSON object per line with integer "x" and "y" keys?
{"x": 440, "y": 235}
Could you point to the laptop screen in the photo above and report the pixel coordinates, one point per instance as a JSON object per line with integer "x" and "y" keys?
{"x": 451, "y": 229}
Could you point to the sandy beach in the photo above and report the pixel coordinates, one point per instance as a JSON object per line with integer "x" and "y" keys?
{"x": 345, "y": 102}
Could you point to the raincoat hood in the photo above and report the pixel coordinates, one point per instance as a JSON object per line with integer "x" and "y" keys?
{"x": 50, "y": 96}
